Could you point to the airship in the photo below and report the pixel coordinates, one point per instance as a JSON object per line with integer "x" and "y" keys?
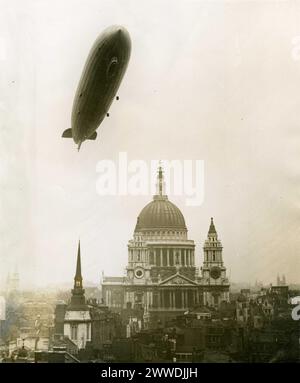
{"x": 100, "y": 80}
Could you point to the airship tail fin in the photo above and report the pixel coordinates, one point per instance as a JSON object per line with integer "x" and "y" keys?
{"x": 93, "y": 136}
{"x": 67, "y": 133}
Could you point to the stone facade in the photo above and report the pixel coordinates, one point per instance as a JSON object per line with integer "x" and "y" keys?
{"x": 161, "y": 276}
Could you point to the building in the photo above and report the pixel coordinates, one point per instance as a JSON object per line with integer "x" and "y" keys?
{"x": 213, "y": 279}
{"x": 161, "y": 276}
{"x": 77, "y": 320}
{"x": 281, "y": 282}
{"x": 84, "y": 324}
{"x": 13, "y": 282}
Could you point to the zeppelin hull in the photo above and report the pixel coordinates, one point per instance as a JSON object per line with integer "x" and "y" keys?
{"x": 100, "y": 81}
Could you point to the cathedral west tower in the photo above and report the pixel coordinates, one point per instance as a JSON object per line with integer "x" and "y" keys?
{"x": 216, "y": 284}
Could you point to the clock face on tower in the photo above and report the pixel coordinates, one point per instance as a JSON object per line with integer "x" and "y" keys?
{"x": 139, "y": 273}
{"x": 215, "y": 272}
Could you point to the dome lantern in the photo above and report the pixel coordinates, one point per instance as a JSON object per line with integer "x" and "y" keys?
{"x": 160, "y": 214}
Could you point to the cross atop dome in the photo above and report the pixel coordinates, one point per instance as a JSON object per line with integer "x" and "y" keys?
{"x": 160, "y": 184}
{"x": 160, "y": 213}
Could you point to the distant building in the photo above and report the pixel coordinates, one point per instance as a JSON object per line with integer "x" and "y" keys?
{"x": 12, "y": 283}
{"x": 2, "y": 309}
{"x": 161, "y": 277}
{"x": 281, "y": 281}
{"x": 242, "y": 309}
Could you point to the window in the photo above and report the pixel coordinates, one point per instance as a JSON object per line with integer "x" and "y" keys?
{"x": 112, "y": 67}
{"x": 74, "y": 332}
{"x": 88, "y": 326}
{"x": 216, "y": 300}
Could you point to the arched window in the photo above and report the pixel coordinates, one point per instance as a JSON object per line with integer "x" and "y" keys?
{"x": 74, "y": 331}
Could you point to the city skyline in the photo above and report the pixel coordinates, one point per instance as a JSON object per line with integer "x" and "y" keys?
{"x": 66, "y": 284}
{"x": 201, "y": 85}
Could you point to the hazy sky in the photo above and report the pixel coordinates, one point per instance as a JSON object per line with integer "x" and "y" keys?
{"x": 215, "y": 81}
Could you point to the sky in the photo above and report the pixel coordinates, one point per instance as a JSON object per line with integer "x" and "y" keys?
{"x": 215, "y": 81}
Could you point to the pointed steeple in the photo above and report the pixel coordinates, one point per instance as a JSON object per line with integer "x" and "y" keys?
{"x": 78, "y": 276}
{"x": 212, "y": 246}
{"x": 78, "y": 298}
{"x": 212, "y": 229}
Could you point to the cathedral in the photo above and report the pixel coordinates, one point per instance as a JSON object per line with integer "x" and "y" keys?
{"x": 161, "y": 277}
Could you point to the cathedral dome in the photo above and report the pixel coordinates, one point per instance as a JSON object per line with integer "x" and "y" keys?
{"x": 160, "y": 214}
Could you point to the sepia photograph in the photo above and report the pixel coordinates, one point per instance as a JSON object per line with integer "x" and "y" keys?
{"x": 150, "y": 209}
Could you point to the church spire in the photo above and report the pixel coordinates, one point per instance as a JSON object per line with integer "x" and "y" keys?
{"x": 78, "y": 298}
{"x": 78, "y": 276}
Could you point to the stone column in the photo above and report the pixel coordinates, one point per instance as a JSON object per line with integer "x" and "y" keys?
{"x": 168, "y": 257}
{"x": 161, "y": 257}
{"x": 205, "y": 298}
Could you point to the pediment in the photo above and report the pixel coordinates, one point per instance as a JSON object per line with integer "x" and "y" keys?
{"x": 178, "y": 279}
